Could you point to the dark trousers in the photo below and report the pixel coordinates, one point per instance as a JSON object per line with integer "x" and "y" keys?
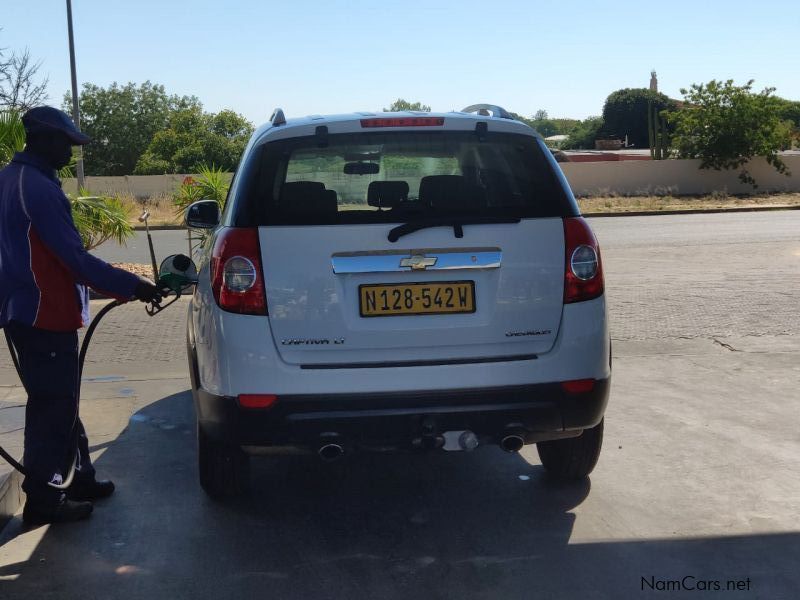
{"x": 49, "y": 364}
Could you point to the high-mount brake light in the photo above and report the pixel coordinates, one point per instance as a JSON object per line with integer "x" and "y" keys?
{"x": 236, "y": 276}
{"x": 583, "y": 277}
{"x": 403, "y": 122}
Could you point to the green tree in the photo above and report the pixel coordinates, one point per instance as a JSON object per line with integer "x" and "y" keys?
{"x": 546, "y": 126}
{"x": 790, "y": 111}
{"x": 565, "y": 126}
{"x": 583, "y": 134}
{"x": 193, "y": 138}
{"x": 122, "y": 120}
{"x": 402, "y": 105}
{"x": 19, "y": 88}
{"x": 725, "y": 125}
{"x": 625, "y": 113}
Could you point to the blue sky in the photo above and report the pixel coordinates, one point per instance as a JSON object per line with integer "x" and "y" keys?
{"x": 335, "y": 56}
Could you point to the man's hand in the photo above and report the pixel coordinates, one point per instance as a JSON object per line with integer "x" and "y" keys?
{"x": 147, "y": 292}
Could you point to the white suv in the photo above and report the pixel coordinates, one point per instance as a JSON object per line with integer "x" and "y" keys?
{"x": 397, "y": 281}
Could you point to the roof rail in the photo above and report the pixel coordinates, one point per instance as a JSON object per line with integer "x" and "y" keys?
{"x": 277, "y": 117}
{"x": 484, "y": 110}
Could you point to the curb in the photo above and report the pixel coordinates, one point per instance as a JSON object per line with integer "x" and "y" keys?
{"x": 160, "y": 227}
{"x": 639, "y": 213}
{"x": 689, "y": 211}
{"x": 11, "y": 496}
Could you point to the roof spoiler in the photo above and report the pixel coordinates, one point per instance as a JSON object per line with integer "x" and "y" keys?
{"x": 488, "y": 110}
{"x": 277, "y": 117}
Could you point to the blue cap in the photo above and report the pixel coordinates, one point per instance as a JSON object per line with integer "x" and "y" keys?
{"x": 46, "y": 119}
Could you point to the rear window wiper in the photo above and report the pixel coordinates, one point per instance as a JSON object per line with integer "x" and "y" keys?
{"x": 455, "y": 222}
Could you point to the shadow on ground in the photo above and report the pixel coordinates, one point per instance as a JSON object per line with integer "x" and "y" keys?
{"x": 485, "y": 525}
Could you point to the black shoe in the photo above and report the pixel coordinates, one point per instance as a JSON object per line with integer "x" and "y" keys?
{"x": 90, "y": 490}
{"x": 64, "y": 512}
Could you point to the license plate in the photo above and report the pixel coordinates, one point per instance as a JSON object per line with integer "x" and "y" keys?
{"x": 388, "y": 300}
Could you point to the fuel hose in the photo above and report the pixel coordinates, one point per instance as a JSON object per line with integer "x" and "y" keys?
{"x": 81, "y": 359}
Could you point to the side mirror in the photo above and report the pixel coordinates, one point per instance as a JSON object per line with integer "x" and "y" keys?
{"x": 177, "y": 273}
{"x": 203, "y": 214}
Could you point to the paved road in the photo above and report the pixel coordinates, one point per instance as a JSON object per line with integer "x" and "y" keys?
{"x": 698, "y": 477}
{"x": 136, "y": 250}
{"x": 685, "y": 276}
{"x": 697, "y": 276}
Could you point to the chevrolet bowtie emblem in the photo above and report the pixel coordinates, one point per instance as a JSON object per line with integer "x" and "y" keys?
{"x": 418, "y": 262}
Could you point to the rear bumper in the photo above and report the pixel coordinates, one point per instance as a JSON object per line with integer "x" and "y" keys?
{"x": 538, "y": 412}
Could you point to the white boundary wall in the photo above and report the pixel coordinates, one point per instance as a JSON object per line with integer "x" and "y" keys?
{"x": 139, "y": 186}
{"x": 624, "y": 178}
{"x": 675, "y": 177}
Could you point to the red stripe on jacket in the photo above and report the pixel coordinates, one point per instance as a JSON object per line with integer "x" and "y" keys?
{"x": 59, "y": 307}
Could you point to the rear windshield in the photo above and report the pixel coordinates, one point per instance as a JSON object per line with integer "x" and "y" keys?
{"x": 391, "y": 177}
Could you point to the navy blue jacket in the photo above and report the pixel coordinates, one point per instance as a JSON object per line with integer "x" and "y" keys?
{"x": 44, "y": 267}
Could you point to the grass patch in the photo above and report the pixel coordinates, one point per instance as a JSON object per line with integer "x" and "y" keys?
{"x": 715, "y": 201}
{"x": 162, "y": 210}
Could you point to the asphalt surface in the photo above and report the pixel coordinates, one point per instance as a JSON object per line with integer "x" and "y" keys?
{"x": 136, "y": 249}
{"x": 697, "y": 484}
{"x": 684, "y": 276}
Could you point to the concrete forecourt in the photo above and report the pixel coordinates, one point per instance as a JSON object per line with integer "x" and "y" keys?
{"x": 696, "y": 489}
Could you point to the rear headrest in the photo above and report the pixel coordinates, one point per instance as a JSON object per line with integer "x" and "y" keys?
{"x": 446, "y": 192}
{"x": 297, "y": 191}
{"x": 331, "y": 197}
{"x": 387, "y": 194}
{"x": 308, "y": 199}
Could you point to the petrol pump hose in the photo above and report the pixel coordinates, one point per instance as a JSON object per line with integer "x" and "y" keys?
{"x": 156, "y": 308}
{"x": 176, "y": 275}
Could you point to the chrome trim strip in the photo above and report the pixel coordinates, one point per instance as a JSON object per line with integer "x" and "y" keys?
{"x": 389, "y": 262}
{"x": 420, "y": 363}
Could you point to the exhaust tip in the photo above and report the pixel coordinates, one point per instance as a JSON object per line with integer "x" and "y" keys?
{"x": 512, "y": 443}
{"x": 330, "y": 452}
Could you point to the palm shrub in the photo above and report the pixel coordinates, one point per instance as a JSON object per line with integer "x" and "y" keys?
{"x": 12, "y": 140}
{"x": 12, "y": 135}
{"x": 211, "y": 183}
{"x": 100, "y": 219}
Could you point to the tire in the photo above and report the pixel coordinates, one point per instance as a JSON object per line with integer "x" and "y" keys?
{"x": 224, "y": 468}
{"x": 572, "y": 458}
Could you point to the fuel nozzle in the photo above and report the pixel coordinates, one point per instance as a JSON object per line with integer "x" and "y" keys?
{"x": 177, "y": 272}
{"x": 176, "y": 275}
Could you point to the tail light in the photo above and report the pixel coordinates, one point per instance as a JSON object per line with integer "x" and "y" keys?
{"x": 583, "y": 279}
{"x": 236, "y": 276}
